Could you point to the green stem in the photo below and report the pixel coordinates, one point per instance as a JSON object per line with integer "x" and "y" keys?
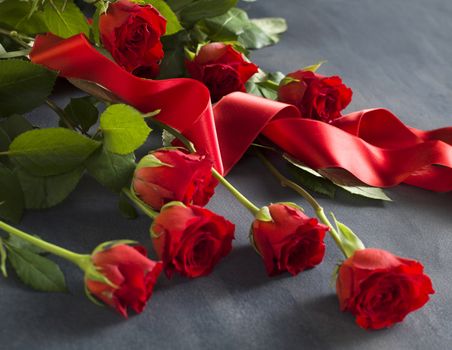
{"x": 61, "y": 113}
{"x": 285, "y": 182}
{"x": 18, "y": 38}
{"x": 12, "y": 54}
{"x": 15, "y": 34}
{"x": 186, "y": 142}
{"x": 236, "y": 193}
{"x": 143, "y": 207}
{"x": 81, "y": 260}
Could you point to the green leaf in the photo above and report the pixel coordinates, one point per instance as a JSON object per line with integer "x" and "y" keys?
{"x": 227, "y": 26}
{"x": 65, "y": 23}
{"x": 82, "y": 112}
{"x": 264, "y": 84}
{"x": 200, "y": 9}
{"x": 51, "y": 151}
{"x": 313, "y": 182}
{"x": 11, "y": 196}
{"x": 15, "y": 125}
{"x": 22, "y": 244}
{"x": 36, "y": 271}
{"x": 235, "y": 25}
{"x": 23, "y": 86}
{"x": 327, "y": 183}
{"x": 23, "y": 17}
{"x": 172, "y": 22}
{"x": 113, "y": 171}
{"x": 15, "y": 15}
{"x": 124, "y": 129}
{"x": 253, "y": 37}
{"x": 366, "y": 191}
{"x": 172, "y": 65}
{"x": 126, "y": 208}
{"x": 350, "y": 242}
{"x": 271, "y": 25}
{"x": 47, "y": 191}
{"x": 178, "y": 5}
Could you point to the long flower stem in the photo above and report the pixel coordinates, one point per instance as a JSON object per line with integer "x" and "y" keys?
{"x": 13, "y": 54}
{"x": 61, "y": 113}
{"x": 235, "y": 192}
{"x": 17, "y": 37}
{"x": 15, "y": 34}
{"x": 143, "y": 207}
{"x": 285, "y": 182}
{"x": 80, "y": 260}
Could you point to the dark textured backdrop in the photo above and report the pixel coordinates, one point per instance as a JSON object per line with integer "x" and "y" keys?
{"x": 395, "y": 54}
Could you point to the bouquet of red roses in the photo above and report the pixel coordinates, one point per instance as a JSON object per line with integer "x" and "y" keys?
{"x": 183, "y": 67}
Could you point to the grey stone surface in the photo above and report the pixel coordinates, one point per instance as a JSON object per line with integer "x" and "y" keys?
{"x": 394, "y": 54}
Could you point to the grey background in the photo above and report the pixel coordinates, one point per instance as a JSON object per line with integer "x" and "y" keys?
{"x": 394, "y": 54}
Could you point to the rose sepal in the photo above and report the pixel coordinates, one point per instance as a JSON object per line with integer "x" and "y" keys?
{"x": 264, "y": 214}
{"x": 348, "y": 240}
{"x": 151, "y": 161}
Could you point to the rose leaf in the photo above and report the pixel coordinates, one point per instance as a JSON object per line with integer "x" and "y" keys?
{"x": 124, "y": 129}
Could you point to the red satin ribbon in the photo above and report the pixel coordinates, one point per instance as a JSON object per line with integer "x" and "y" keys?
{"x": 373, "y": 145}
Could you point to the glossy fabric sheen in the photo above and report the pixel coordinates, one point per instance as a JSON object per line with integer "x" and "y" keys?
{"x": 372, "y": 145}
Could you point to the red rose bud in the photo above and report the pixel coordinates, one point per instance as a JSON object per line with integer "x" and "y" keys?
{"x": 168, "y": 175}
{"x": 122, "y": 277}
{"x": 190, "y": 240}
{"x": 287, "y": 239}
{"x": 131, "y": 33}
{"x": 316, "y": 96}
{"x": 221, "y": 68}
{"x": 380, "y": 288}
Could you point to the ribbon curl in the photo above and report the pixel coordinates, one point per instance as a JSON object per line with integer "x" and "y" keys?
{"x": 372, "y": 145}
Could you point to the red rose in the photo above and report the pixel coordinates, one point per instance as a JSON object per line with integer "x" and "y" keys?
{"x": 191, "y": 240}
{"x": 221, "y": 68}
{"x": 131, "y": 33}
{"x": 168, "y": 175}
{"x": 132, "y": 274}
{"x": 288, "y": 240}
{"x": 380, "y": 288}
{"x": 316, "y": 96}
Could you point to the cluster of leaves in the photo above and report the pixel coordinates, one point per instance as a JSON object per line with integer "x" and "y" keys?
{"x": 40, "y": 167}
{"x": 61, "y": 17}
{"x": 203, "y": 21}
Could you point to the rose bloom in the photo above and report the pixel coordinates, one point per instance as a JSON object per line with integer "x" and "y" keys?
{"x": 191, "y": 240}
{"x": 131, "y": 33}
{"x": 221, "y": 68}
{"x": 380, "y": 288}
{"x": 132, "y": 273}
{"x": 316, "y": 96}
{"x": 176, "y": 176}
{"x": 291, "y": 241}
